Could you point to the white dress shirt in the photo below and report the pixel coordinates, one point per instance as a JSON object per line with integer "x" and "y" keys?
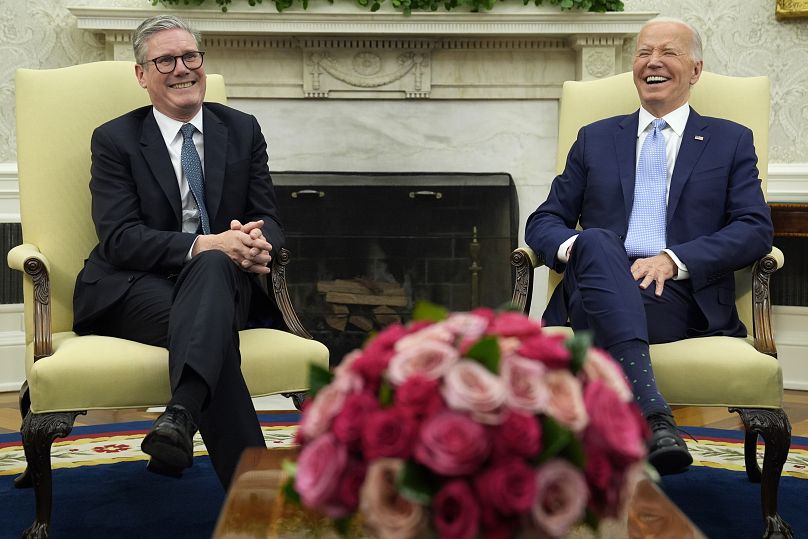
{"x": 676, "y": 120}
{"x": 170, "y": 129}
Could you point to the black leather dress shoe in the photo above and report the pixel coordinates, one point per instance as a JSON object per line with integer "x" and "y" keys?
{"x": 170, "y": 443}
{"x": 667, "y": 452}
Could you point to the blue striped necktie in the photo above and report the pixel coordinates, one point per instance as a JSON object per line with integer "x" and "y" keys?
{"x": 647, "y": 223}
{"x": 192, "y": 166}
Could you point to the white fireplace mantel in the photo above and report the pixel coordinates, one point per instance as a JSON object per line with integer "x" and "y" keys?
{"x": 339, "y": 51}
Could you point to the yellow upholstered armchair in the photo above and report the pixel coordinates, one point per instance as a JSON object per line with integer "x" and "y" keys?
{"x": 57, "y": 111}
{"x": 741, "y": 374}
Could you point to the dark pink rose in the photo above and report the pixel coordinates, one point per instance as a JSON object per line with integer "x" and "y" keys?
{"x": 508, "y": 486}
{"x": 388, "y": 433}
{"x": 419, "y": 397}
{"x": 347, "y": 496}
{"x": 485, "y": 312}
{"x": 319, "y": 470}
{"x": 452, "y": 444}
{"x": 375, "y": 357}
{"x": 348, "y": 424}
{"x": 513, "y": 324}
{"x": 519, "y": 435}
{"x": 456, "y": 511}
{"x": 549, "y": 349}
{"x": 599, "y": 365}
{"x": 614, "y": 425}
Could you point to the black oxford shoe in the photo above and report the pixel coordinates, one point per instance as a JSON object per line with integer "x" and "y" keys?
{"x": 170, "y": 443}
{"x": 667, "y": 452}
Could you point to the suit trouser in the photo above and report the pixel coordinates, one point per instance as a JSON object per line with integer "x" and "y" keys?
{"x": 602, "y": 296}
{"x": 197, "y": 316}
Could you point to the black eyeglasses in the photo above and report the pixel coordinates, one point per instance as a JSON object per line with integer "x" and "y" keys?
{"x": 166, "y": 64}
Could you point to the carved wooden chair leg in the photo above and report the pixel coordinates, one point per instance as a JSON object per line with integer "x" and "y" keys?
{"x": 38, "y": 432}
{"x": 24, "y": 479}
{"x": 773, "y": 426}
{"x": 298, "y": 398}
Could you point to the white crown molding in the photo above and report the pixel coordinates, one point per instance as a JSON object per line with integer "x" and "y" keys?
{"x": 788, "y": 182}
{"x": 9, "y": 193}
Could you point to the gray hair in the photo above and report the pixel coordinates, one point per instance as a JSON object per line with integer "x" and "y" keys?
{"x": 151, "y": 26}
{"x": 695, "y": 44}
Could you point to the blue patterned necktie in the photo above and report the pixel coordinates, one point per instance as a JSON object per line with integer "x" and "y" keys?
{"x": 192, "y": 166}
{"x": 647, "y": 223}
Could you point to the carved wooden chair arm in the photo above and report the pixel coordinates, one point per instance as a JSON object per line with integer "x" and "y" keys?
{"x": 761, "y": 303}
{"x": 28, "y": 259}
{"x": 524, "y": 260}
{"x": 281, "y": 294}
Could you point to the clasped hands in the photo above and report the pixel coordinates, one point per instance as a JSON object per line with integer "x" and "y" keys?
{"x": 245, "y": 244}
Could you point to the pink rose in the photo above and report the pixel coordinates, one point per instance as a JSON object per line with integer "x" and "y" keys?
{"x": 435, "y": 332}
{"x": 456, "y": 511}
{"x": 466, "y": 325}
{"x": 347, "y": 496}
{"x": 319, "y": 469}
{"x": 566, "y": 403}
{"x": 349, "y": 422}
{"x": 599, "y": 365}
{"x": 513, "y": 324}
{"x": 549, "y": 349}
{"x": 388, "y": 433}
{"x": 509, "y": 487}
{"x": 376, "y": 356}
{"x": 452, "y": 444}
{"x": 419, "y": 397}
{"x": 428, "y": 358}
{"x": 524, "y": 383}
{"x": 519, "y": 435}
{"x": 387, "y": 514}
{"x": 615, "y": 426}
{"x": 561, "y": 497}
{"x": 469, "y": 386}
{"x": 318, "y": 414}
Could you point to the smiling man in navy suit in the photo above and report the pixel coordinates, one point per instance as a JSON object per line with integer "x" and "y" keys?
{"x": 669, "y": 205}
{"x": 186, "y": 218}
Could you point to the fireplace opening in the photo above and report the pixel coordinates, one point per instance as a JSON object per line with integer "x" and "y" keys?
{"x": 366, "y": 247}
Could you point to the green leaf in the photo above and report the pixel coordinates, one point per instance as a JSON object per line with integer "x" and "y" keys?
{"x": 425, "y": 310}
{"x": 416, "y": 483}
{"x": 554, "y": 437}
{"x": 385, "y": 393}
{"x": 486, "y": 351}
{"x": 319, "y": 377}
{"x": 342, "y": 525}
{"x": 288, "y": 491}
{"x": 574, "y": 452}
{"x": 578, "y": 344}
{"x": 591, "y": 520}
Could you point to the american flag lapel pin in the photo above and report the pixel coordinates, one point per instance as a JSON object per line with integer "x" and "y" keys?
{"x": 699, "y": 137}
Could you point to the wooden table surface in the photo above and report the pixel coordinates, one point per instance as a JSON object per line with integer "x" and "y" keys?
{"x": 253, "y": 509}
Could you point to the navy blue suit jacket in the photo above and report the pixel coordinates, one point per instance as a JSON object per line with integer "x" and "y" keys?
{"x": 136, "y": 202}
{"x": 717, "y": 218}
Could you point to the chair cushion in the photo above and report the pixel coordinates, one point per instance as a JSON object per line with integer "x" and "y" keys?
{"x": 94, "y": 372}
{"x": 714, "y": 371}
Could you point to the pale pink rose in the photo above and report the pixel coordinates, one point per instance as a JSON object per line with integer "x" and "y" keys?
{"x": 452, "y": 444}
{"x": 387, "y": 514}
{"x": 566, "y": 402}
{"x": 524, "y": 382}
{"x": 435, "y": 332}
{"x": 468, "y": 386}
{"x": 318, "y": 415}
{"x": 561, "y": 497}
{"x": 319, "y": 470}
{"x": 508, "y": 345}
{"x": 466, "y": 325}
{"x": 600, "y": 366}
{"x": 429, "y": 358}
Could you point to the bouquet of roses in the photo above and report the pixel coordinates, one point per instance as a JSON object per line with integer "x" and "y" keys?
{"x": 469, "y": 425}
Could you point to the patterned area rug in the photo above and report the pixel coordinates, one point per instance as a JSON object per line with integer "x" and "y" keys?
{"x": 108, "y": 444}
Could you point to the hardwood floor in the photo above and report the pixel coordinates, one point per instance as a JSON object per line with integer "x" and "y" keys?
{"x": 796, "y": 406}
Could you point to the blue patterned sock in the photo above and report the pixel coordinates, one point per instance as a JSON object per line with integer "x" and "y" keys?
{"x": 635, "y": 359}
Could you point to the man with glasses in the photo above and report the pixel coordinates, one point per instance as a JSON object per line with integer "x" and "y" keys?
{"x": 186, "y": 216}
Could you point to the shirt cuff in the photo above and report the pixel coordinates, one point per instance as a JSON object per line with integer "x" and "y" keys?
{"x": 682, "y": 274}
{"x": 561, "y": 254}
{"x": 191, "y": 250}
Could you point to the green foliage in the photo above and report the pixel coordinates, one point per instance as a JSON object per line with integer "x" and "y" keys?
{"x": 578, "y": 344}
{"x": 486, "y": 351}
{"x": 555, "y": 439}
{"x": 318, "y": 379}
{"x": 416, "y": 483}
{"x": 408, "y": 6}
{"x": 425, "y": 310}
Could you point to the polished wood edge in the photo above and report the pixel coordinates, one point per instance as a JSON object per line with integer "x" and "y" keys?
{"x": 523, "y": 284}
{"x": 761, "y": 305}
{"x": 281, "y": 293}
{"x": 43, "y": 344}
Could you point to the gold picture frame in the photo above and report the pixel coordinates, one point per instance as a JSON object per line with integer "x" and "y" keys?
{"x": 791, "y": 9}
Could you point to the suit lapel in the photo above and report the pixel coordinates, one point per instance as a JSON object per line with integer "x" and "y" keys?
{"x": 155, "y": 153}
{"x": 215, "y": 158}
{"x": 625, "y": 142}
{"x": 694, "y": 141}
